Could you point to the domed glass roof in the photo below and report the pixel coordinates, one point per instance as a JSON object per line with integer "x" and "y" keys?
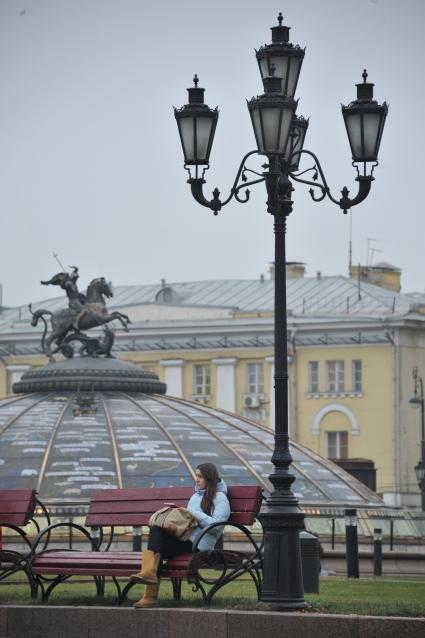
{"x": 65, "y": 444}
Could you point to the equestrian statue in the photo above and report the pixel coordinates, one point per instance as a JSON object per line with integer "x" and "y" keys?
{"x": 84, "y": 311}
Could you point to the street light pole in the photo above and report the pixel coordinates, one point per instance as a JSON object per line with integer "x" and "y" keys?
{"x": 280, "y": 135}
{"x": 418, "y": 399}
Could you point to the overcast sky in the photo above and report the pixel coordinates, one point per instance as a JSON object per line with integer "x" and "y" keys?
{"x": 90, "y": 160}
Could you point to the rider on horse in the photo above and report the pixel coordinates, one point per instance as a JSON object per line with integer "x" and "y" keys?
{"x": 68, "y": 282}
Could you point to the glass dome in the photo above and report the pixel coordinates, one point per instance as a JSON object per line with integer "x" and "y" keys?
{"x": 65, "y": 444}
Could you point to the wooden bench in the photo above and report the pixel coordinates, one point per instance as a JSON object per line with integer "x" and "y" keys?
{"x": 133, "y": 507}
{"x": 17, "y": 509}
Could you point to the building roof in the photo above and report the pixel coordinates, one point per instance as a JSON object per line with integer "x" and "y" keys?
{"x": 310, "y": 296}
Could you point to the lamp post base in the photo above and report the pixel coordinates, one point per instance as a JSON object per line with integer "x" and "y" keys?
{"x": 282, "y": 572}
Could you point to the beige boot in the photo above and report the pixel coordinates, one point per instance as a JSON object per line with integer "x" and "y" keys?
{"x": 150, "y": 597}
{"x": 148, "y": 573}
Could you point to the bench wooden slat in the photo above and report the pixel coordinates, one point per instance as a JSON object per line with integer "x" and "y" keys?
{"x": 17, "y": 495}
{"x": 20, "y": 520}
{"x": 128, "y": 507}
{"x": 63, "y": 553}
{"x": 140, "y": 493}
{"x": 99, "y": 520}
{"x": 64, "y": 563}
{"x": 84, "y": 571}
{"x": 243, "y": 518}
{"x": 163, "y": 493}
{"x": 94, "y": 563}
{"x": 244, "y": 491}
{"x": 17, "y": 506}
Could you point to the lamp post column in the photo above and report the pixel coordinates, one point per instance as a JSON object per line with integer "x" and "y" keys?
{"x": 423, "y": 477}
{"x": 280, "y": 516}
{"x": 420, "y": 467}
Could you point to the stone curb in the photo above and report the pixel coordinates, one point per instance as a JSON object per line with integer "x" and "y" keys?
{"x": 39, "y": 621}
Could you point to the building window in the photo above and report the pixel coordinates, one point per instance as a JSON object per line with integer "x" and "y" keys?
{"x": 334, "y": 376}
{"x": 356, "y": 371}
{"x": 254, "y": 378}
{"x": 313, "y": 376}
{"x": 337, "y": 445}
{"x": 201, "y": 380}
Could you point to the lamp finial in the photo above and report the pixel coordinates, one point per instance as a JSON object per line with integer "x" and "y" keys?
{"x": 280, "y": 18}
{"x": 195, "y": 80}
{"x": 364, "y": 76}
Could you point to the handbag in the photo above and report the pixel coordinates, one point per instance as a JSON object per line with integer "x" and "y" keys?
{"x": 184, "y": 521}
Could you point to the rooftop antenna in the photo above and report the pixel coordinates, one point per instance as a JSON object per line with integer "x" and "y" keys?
{"x": 369, "y": 240}
{"x": 359, "y": 294}
{"x": 350, "y": 244}
{"x": 55, "y": 256}
{"x": 372, "y": 252}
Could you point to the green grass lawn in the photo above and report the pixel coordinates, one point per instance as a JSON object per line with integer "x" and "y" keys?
{"x": 386, "y": 596}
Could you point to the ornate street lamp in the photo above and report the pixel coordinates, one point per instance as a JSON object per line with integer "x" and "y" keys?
{"x": 196, "y": 122}
{"x": 364, "y": 120}
{"x": 284, "y": 56}
{"x": 272, "y": 115}
{"x": 418, "y": 400}
{"x": 279, "y": 135}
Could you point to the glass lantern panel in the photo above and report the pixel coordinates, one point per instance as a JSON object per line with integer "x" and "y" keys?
{"x": 371, "y": 123}
{"x": 292, "y": 76}
{"x": 281, "y": 64}
{"x": 203, "y": 132}
{"x": 256, "y": 124}
{"x": 271, "y": 117}
{"x": 353, "y": 124}
{"x": 187, "y": 136}
{"x": 287, "y": 116}
{"x": 264, "y": 68}
{"x": 297, "y": 144}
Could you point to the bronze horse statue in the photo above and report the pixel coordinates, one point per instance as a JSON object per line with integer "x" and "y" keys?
{"x": 93, "y": 313}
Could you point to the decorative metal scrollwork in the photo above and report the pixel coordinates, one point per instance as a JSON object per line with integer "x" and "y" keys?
{"x": 223, "y": 566}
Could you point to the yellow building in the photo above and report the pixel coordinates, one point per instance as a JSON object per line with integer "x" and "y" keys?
{"x": 352, "y": 348}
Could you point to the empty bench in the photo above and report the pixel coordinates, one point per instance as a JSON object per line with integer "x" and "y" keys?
{"x": 114, "y": 508}
{"x": 17, "y": 509}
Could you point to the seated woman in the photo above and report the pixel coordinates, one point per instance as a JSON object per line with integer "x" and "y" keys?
{"x": 208, "y": 505}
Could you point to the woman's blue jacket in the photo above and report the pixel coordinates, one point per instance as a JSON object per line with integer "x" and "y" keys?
{"x": 220, "y": 512}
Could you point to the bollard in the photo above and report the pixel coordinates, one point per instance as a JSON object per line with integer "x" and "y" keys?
{"x": 310, "y": 561}
{"x": 137, "y": 538}
{"x": 352, "y": 547}
{"x": 377, "y": 551}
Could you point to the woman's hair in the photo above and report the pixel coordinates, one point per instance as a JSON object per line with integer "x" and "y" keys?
{"x": 210, "y": 474}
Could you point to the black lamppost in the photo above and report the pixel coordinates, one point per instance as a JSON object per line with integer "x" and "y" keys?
{"x": 279, "y": 135}
{"x": 418, "y": 399}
